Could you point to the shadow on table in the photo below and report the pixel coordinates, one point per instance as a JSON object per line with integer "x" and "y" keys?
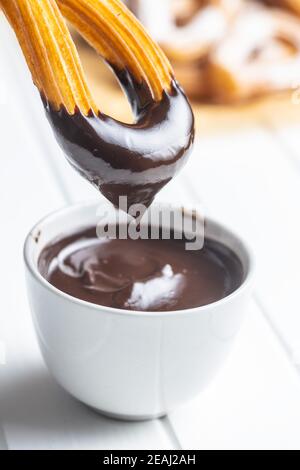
{"x": 38, "y": 413}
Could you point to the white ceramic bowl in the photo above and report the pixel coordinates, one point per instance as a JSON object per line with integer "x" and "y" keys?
{"x": 127, "y": 364}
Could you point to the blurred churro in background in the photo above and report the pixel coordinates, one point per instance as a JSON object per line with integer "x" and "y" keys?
{"x": 227, "y": 51}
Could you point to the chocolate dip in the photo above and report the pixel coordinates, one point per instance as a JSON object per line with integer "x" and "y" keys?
{"x": 133, "y": 160}
{"x": 144, "y": 275}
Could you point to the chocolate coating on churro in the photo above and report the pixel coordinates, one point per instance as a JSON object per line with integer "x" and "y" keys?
{"x": 133, "y": 160}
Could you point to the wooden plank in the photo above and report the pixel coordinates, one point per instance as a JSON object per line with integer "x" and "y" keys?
{"x": 195, "y": 426}
{"x": 35, "y": 412}
{"x": 3, "y": 443}
{"x": 247, "y": 181}
{"x": 252, "y": 404}
{"x": 288, "y": 138}
{"x": 50, "y": 418}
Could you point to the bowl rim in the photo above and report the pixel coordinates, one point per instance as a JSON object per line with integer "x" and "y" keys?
{"x": 34, "y": 271}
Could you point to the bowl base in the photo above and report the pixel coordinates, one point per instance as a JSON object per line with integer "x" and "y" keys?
{"x": 121, "y": 417}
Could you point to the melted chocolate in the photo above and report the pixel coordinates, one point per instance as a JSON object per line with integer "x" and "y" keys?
{"x": 133, "y": 160}
{"x": 147, "y": 275}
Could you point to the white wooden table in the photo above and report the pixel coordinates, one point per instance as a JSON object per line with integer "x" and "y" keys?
{"x": 251, "y": 180}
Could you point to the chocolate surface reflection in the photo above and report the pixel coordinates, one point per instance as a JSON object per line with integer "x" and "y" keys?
{"x": 133, "y": 160}
{"x": 147, "y": 275}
